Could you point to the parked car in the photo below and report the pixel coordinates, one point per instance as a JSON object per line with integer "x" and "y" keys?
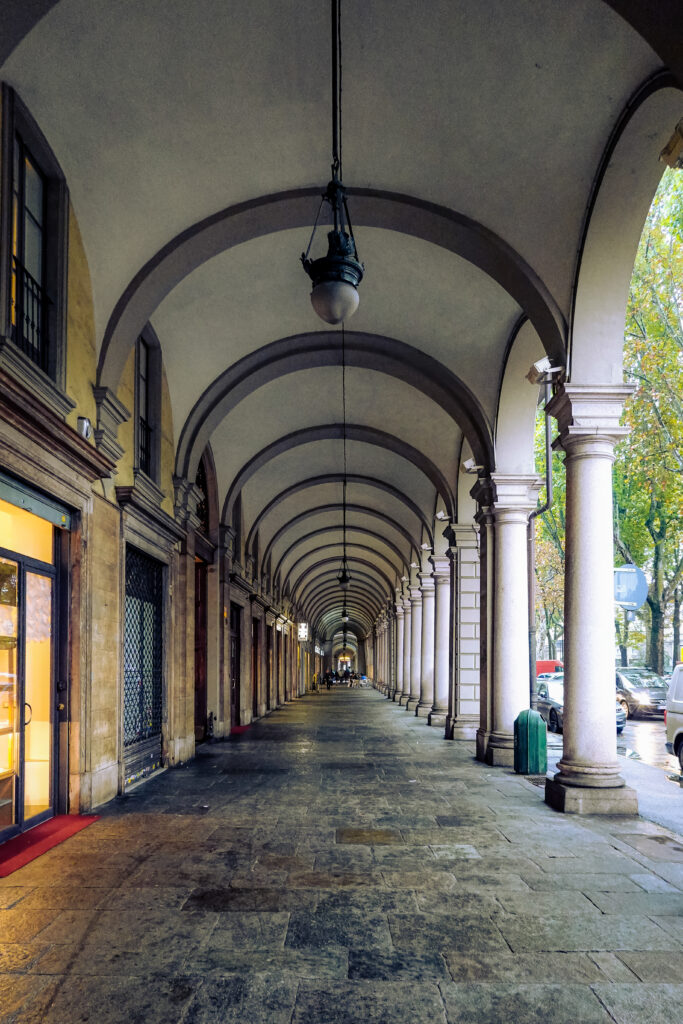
{"x": 550, "y": 697}
{"x": 641, "y": 692}
{"x": 673, "y": 715}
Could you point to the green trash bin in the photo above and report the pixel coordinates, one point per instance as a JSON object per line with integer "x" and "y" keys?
{"x": 531, "y": 748}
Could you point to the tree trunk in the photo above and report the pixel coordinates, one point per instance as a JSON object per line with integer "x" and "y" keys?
{"x": 676, "y": 654}
{"x": 622, "y": 640}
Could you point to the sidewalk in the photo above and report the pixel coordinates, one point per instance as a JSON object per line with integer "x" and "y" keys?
{"x": 341, "y": 863}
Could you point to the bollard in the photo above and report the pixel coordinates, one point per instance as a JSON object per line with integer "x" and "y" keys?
{"x": 531, "y": 750}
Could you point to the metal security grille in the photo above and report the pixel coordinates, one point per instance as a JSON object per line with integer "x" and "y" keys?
{"x": 142, "y": 666}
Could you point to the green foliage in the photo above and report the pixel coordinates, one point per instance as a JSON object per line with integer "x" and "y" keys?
{"x": 648, "y": 470}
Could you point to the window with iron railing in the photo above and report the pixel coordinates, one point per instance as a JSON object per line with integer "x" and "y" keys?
{"x": 28, "y": 315}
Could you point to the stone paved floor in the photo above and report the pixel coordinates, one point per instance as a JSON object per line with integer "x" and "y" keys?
{"x": 340, "y": 863}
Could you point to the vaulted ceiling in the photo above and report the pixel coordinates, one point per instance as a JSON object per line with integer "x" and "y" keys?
{"x": 195, "y": 140}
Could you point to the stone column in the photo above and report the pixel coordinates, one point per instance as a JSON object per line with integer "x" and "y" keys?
{"x": 424, "y": 707}
{"x": 396, "y": 695}
{"x": 588, "y": 780}
{"x": 515, "y": 498}
{"x": 407, "y": 638}
{"x": 466, "y": 707}
{"x": 442, "y": 639}
{"x": 415, "y": 648}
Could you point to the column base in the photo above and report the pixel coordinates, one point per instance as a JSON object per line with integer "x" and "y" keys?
{"x": 586, "y": 800}
{"x": 412, "y": 703}
{"x": 402, "y": 699}
{"x": 396, "y": 696}
{"x": 482, "y": 742}
{"x": 501, "y": 750}
{"x": 437, "y": 718}
{"x": 423, "y": 710}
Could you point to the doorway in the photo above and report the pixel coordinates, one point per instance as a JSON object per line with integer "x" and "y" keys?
{"x": 142, "y": 666}
{"x": 200, "y": 650}
{"x": 254, "y": 667}
{"x": 235, "y": 655}
{"x": 28, "y": 712}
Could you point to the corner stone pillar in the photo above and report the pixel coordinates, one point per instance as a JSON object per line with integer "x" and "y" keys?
{"x": 515, "y": 498}
{"x": 465, "y": 704}
{"x": 588, "y": 780}
{"x": 442, "y": 644}
{"x": 407, "y": 638}
{"x": 426, "y": 701}
{"x": 415, "y": 648}
{"x": 396, "y": 695}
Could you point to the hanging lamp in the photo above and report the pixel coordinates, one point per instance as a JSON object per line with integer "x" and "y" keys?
{"x": 337, "y": 275}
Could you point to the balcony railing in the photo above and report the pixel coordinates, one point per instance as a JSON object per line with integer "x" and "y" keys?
{"x": 29, "y": 315}
{"x": 145, "y": 446}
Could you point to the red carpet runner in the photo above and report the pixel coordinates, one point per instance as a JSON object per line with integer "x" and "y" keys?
{"x": 21, "y": 850}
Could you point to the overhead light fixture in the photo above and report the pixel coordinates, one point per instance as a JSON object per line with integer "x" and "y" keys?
{"x": 345, "y": 615}
{"x": 337, "y": 275}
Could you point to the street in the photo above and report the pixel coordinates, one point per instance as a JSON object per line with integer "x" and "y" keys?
{"x": 642, "y": 739}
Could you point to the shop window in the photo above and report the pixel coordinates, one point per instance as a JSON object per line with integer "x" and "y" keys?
{"x": 34, "y": 237}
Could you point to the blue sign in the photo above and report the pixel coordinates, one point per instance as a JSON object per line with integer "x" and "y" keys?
{"x": 630, "y": 586}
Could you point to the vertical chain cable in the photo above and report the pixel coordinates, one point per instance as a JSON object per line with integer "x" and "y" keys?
{"x": 339, "y": 98}
{"x": 343, "y": 334}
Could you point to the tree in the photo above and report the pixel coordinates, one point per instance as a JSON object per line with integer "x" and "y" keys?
{"x": 648, "y": 474}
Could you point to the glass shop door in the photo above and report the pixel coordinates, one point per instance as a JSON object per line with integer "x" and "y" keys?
{"x": 27, "y": 691}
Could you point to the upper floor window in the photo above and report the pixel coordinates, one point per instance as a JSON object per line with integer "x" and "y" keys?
{"x": 33, "y": 254}
{"x": 148, "y": 404}
{"x": 28, "y": 298}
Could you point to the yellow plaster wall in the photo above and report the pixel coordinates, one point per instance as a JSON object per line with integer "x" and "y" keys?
{"x": 81, "y": 356}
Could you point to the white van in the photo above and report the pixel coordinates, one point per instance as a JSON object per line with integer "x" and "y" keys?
{"x": 673, "y": 716}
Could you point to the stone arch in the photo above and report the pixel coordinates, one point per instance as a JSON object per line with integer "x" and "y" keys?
{"x": 324, "y": 348}
{"x": 296, "y": 209}
{"x": 624, "y": 188}
{"x": 354, "y": 432}
{"x": 332, "y": 478}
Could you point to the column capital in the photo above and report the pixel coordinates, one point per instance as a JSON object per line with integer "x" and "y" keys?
{"x": 465, "y": 535}
{"x": 406, "y": 604}
{"x": 589, "y": 410}
{"x": 426, "y": 581}
{"x": 442, "y": 567}
{"x": 399, "y": 611}
{"x": 415, "y": 595}
{"x": 516, "y": 492}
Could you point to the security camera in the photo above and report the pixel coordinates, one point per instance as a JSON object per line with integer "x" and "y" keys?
{"x": 470, "y": 466}
{"x": 542, "y": 372}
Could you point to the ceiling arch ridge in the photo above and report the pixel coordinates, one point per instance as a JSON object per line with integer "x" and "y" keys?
{"x": 338, "y": 547}
{"x": 327, "y": 431}
{"x": 334, "y": 564}
{"x": 326, "y": 588}
{"x": 352, "y": 559}
{"x": 295, "y": 208}
{"x": 323, "y": 348}
{"x": 335, "y": 529}
{"x": 350, "y": 507}
{"x": 333, "y": 478}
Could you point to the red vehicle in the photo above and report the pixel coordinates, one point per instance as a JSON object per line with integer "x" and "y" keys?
{"x": 549, "y": 665}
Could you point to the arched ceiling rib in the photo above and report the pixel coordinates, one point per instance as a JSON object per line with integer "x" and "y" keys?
{"x": 336, "y": 478}
{"x": 312, "y": 553}
{"x": 351, "y": 510}
{"x": 355, "y": 432}
{"x": 288, "y": 559}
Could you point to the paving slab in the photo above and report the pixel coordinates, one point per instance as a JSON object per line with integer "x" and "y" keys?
{"x": 339, "y": 863}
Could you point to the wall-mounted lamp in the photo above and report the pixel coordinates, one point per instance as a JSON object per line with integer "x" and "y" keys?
{"x": 84, "y": 427}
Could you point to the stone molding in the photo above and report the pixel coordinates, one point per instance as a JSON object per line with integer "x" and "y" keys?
{"x": 589, "y": 409}
{"x": 29, "y": 416}
{"x": 442, "y": 568}
{"x": 187, "y": 498}
{"x": 426, "y": 583}
{"x": 415, "y": 596}
{"x": 142, "y": 503}
{"x": 41, "y": 387}
{"x": 111, "y": 413}
{"x": 516, "y": 492}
